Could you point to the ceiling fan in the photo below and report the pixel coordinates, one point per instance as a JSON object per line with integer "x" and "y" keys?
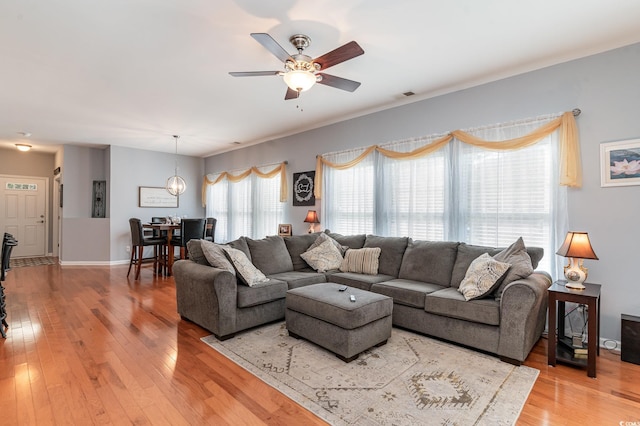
{"x": 301, "y": 72}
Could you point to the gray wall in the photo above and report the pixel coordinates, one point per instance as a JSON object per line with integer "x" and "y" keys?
{"x": 606, "y": 87}
{"x": 131, "y": 168}
{"x": 31, "y": 163}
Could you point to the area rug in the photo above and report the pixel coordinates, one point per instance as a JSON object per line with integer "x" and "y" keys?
{"x": 32, "y": 261}
{"x": 412, "y": 380}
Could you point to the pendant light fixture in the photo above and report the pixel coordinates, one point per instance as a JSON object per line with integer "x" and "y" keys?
{"x": 175, "y": 184}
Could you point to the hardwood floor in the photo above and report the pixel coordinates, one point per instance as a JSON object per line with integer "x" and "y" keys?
{"x": 88, "y": 346}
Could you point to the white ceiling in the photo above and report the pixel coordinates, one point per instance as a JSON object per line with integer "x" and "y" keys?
{"x": 134, "y": 72}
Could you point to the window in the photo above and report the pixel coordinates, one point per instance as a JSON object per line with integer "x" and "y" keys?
{"x": 458, "y": 193}
{"x": 250, "y": 207}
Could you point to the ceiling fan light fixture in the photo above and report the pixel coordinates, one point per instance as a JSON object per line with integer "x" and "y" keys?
{"x": 300, "y": 80}
{"x": 23, "y": 147}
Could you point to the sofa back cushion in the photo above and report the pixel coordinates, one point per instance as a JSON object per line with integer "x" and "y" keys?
{"x": 270, "y": 255}
{"x": 392, "y": 251}
{"x": 240, "y": 244}
{"x": 195, "y": 252}
{"x": 467, "y": 253}
{"x": 351, "y": 241}
{"x": 429, "y": 261}
{"x": 296, "y": 245}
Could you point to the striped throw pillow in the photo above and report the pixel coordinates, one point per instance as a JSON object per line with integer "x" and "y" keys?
{"x": 363, "y": 261}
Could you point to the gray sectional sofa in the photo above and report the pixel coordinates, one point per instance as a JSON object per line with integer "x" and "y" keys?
{"x": 422, "y": 277}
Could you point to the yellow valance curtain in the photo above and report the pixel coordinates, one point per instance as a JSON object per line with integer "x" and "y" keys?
{"x": 570, "y": 168}
{"x": 279, "y": 169}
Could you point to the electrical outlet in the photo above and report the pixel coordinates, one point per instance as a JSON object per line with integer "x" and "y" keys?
{"x": 128, "y": 249}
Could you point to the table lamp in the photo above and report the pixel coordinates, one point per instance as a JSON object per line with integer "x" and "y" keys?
{"x": 312, "y": 219}
{"x": 576, "y": 247}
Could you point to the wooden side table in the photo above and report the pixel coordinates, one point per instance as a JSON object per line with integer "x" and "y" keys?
{"x": 560, "y": 348}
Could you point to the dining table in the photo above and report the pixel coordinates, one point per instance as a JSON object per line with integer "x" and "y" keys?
{"x": 169, "y": 228}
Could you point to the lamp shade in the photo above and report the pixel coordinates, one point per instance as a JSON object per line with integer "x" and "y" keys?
{"x": 577, "y": 244}
{"x": 299, "y": 80}
{"x": 312, "y": 217}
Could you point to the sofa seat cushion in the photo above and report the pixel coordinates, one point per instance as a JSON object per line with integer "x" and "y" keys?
{"x": 295, "y": 279}
{"x": 429, "y": 261}
{"x": 392, "y": 250}
{"x": 265, "y": 292}
{"x": 406, "y": 292}
{"x": 326, "y": 303}
{"x": 449, "y": 302}
{"x": 270, "y": 254}
{"x": 356, "y": 280}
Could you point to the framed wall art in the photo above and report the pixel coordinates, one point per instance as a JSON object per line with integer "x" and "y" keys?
{"x": 620, "y": 163}
{"x": 303, "y": 189}
{"x": 150, "y": 196}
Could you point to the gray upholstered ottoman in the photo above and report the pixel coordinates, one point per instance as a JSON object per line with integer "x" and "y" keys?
{"x": 327, "y": 317}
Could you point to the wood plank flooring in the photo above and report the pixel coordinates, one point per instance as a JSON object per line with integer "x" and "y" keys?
{"x": 88, "y": 346}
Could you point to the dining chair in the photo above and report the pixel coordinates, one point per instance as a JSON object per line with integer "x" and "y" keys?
{"x": 8, "y": 243}
{"x": 138, "y": 243}
{"x": 190, "y": 229}
{"x": 210, "y": 232}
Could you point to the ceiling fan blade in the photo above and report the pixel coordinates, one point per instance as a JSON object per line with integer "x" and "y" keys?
{"x": 291, "y": 94}
{"x": 272, "y": 46}
{"x": 341, "y": 54}
{"x": 338, "y": 82}
{"x": 253, "y": 73}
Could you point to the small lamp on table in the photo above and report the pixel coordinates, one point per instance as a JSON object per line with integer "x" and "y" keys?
{"x": 576, "y": 247}
{"x": 311, "y": 219}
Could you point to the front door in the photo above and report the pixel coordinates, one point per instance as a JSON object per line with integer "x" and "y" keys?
{"x": 23, "y": 202}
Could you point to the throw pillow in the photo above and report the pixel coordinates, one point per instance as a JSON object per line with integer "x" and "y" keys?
{"x": 363, "y": 261}
{"x": 324, "y": 257}
{"x": 249, "y": 274}
{"x": 214, "y": 253}
{"x": 482, "y": 277}
{"x": 324, "y": 237}
{"x": 521, "y": 267}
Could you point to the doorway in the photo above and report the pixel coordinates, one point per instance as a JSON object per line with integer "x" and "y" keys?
{"x": 23, "y": 213}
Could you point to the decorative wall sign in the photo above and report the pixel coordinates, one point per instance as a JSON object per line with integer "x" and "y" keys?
{"x": 99, "y": 205}
{"x": 303, "y": 189}
{"x": 156, "y": 197}
{"x": 21, "y": 186}
{"x": 620, "y": 163}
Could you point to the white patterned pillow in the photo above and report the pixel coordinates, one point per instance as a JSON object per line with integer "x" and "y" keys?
{"x": 214, "y": 253}
{"x": 322, "y": 237}
{"x": 363, "y": 261}
{"x": 249, "y": 274}
{"x": 482, "y": 277}
{"x": 324, "y": 257}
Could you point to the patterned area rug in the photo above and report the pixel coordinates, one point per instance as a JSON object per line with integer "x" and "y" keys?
{"x": 32, "y": 261}
{"x": 412, "y": 380}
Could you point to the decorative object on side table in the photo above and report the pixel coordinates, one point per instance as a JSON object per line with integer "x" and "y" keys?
{"x": 311, "y": 219}
{"x": 284, "y": 230}
{"x": 620, "y": 163}
{"x": 303, "y": 189}
{"x": 576, "y": 247}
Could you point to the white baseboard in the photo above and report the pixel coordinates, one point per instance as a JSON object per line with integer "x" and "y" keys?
{"x": 93, "y": 263}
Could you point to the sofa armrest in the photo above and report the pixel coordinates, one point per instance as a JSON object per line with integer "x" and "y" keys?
{"x": 207, "y": 296}
{"x": 523, "y": 313}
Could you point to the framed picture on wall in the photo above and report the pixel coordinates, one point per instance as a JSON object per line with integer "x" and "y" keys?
{"x": 303, "y": 189}
{"x": 150, "y": 196}
{"x": 620, "y": 163}
{"x": 284, "y": 230}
